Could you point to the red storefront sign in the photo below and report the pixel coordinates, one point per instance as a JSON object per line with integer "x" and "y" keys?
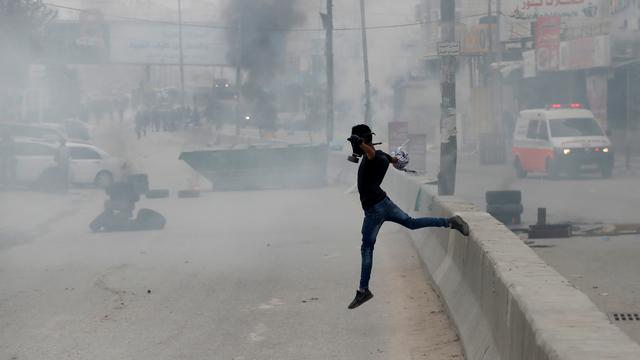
{"x": 548, "y": 30}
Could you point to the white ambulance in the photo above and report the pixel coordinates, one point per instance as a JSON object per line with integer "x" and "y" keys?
{"x": 561, "y": 139}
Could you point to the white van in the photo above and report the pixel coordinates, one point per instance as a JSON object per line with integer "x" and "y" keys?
{"x": 38, "y": 132}
{"x": 561, "y": 139}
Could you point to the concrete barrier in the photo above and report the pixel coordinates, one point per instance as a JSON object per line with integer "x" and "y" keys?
{"x": 506, "y": 302}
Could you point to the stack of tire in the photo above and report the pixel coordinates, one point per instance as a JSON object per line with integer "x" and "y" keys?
{"x": 506, "y": 206}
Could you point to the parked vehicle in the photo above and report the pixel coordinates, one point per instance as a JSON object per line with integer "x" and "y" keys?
{"x": 561, "y": 139}
{"x": 73, "y": 130}
{"x": 44, "y": 133}
{"x": 36, "y": 165}
{"x": 92, "y": 165}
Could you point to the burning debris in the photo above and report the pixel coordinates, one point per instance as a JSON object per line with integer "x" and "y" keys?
{"x": 257, "y": 38}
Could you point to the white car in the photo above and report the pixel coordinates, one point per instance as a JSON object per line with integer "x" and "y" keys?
{"x": 92, "y": 165}
{"x": 36, "y": 164}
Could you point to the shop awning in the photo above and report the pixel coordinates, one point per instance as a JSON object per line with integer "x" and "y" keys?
{"x": 506, "y": 68}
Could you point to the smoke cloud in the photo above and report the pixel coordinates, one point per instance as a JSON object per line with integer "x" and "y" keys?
{"x": 257, "y": 42}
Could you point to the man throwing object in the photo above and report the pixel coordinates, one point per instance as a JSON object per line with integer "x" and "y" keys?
{"x": 378, "y": 208}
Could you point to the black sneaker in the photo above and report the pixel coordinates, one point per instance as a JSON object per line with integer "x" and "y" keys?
{"x": 457, "y": 223}
{"x": 361, "y": 298}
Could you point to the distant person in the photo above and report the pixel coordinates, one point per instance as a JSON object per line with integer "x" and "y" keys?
{"x": 122, "y": 106}
{"x": 8, "y": 160}
{"x": 154, "y": 119}
{"x": 508, "y": 125}
{"x": 63, "y": 162}
{"x": 378, "y": 208}
{"x": 195, "y": 117}
{"x": 141, "y": 122}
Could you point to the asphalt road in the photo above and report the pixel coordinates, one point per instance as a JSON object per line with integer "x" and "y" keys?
{"x": 237, "y": 275}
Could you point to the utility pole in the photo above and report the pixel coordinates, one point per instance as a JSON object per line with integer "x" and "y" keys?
{"x": 627, "y": 141}
{"x": 365, "y": 59}
{"x": 328, "y": 25}
{"x": 499, "y": 28}
{"x": 448, "y": 131}
{"x": 498, "y": 77}
{"x": 181, "y": 58}
{"x": 240, "y": 52}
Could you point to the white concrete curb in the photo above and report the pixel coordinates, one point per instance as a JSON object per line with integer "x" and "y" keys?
{"x": 506, "y": 302}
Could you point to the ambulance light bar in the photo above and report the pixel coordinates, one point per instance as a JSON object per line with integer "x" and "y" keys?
{"x": 565, "y": 106}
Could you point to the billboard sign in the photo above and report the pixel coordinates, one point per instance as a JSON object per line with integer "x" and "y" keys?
{"x": 133, "y": 43}
{"x": 74, "y": 43}
{"x": 519, "y": 14}
{"x": 477, "y": 39}
{"x": 532, "y": 9}
{"x": 585, "y": 53}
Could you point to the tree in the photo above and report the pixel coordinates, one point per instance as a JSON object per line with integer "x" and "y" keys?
{"x": 21, "y": 26}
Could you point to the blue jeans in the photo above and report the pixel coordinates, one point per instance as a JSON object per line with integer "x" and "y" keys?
{"x": 374, "y": 217}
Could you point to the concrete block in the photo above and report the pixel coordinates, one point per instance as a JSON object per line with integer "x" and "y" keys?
{"x": 505, "y": 301}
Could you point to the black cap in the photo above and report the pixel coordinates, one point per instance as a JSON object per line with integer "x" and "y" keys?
{"x": 361, "y": 130}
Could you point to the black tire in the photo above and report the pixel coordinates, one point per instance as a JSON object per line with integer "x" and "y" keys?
{"x": 505, "y": 209}
{"x": 520, "y": 172}
{"x": 503, "y": 197}
{"x": 157, "y": 194}
{"x": 148, "y": 219}
{"x": 103, "y": 179}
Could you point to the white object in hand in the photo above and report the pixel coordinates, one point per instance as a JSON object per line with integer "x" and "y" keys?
{"x": 402, "y": 157}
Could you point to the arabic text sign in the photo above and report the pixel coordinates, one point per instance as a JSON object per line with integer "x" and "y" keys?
{"x": 160, "y": 44}
{"x": 530, "y": 9}
{"x": 451, "y": 48}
